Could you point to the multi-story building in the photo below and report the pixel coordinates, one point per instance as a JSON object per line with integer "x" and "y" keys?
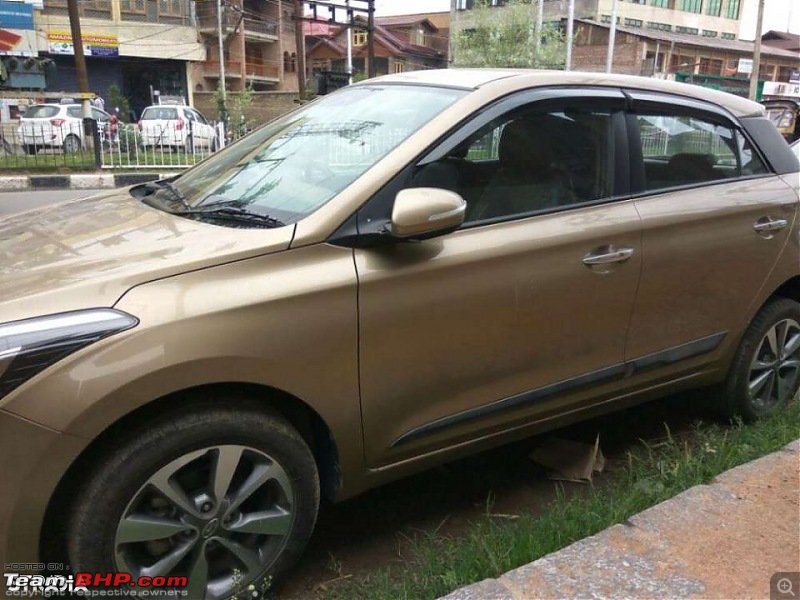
{"x": 260, "y": 47}
{"x": 709, "y": 18}
{"x": 145, "y": 47}
{"x": 664, "y": 38}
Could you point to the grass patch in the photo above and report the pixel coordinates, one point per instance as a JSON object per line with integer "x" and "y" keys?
{"x": 654, "y": 473}
{"x": 46, "y": 162}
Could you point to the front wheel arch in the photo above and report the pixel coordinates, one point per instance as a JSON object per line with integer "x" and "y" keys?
{"x": 308, "y": 423}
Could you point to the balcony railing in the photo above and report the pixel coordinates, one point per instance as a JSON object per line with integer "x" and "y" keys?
{"x": 88, "y": 9}
{"x": 232, "y": 68}
{"x": 261, "y": 71}
{"x": 261, "y": 25}
{"x": 170, "y": 12}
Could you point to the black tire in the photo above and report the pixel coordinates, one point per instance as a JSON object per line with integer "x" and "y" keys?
{"x": 735, "y": 399}
{"x": 72, "y": 144}
{"x": 30, "y": 149}
{"x": 113, "y": 489}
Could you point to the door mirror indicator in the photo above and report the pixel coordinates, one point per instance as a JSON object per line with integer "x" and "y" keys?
{"x": 421, "y": 213}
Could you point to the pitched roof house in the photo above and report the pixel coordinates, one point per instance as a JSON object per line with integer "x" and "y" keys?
{"x": 405, "y": 43}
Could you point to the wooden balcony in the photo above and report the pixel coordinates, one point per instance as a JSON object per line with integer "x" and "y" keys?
{"x": 233, "y": 69}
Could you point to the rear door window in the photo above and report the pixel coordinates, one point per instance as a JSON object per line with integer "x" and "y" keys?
{"x": 689, "y": 150}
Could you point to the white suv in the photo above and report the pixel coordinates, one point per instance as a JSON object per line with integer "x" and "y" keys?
{"x": 47, "y": 126}
{"x": 176, "y": 127}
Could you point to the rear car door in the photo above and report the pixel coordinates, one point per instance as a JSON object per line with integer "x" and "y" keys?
{"x": 520, "y": 315}
{"x": 715, "y": 220}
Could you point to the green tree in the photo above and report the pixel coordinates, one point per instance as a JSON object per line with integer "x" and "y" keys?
{"x": 117, "y": 100}
{"x": 506, "y": 37}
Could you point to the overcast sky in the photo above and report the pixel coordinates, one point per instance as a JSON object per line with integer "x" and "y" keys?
{"x": 779, "y": 14}
{"x": 409, "y": 7}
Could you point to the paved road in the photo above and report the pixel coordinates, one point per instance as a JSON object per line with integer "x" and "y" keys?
{"x": 15, "y": 202}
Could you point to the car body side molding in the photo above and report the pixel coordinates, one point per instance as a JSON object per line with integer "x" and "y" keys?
{"x": 662, "y": 358}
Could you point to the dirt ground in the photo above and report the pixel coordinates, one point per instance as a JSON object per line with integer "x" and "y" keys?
{"x": 373, "y": 531}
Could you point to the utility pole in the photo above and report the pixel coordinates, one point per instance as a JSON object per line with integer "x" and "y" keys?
{"x": 221, "y": 41}
{"x": 372, "y": 71}
{"x": 570, "y": 30}
{"x": 757, "y": 52}
{"x": 301, "y": 50}
{"x": 83, "y": 76}
{"x": 612, "y": 36}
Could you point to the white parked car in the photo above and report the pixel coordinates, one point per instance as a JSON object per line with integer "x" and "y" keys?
{"x": 176, "y": 127}
{"x": 48, "y": 126}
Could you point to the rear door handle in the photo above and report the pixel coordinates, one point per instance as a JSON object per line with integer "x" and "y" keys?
{"x": 607, "y": 255}
{"x": 768, "y": 224}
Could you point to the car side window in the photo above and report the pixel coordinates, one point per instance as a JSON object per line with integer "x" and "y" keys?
{"x": 99, "y": 115}
{"x": 530, "y": 161}
{"x": 75, "y": 112}
{"x": 686, "y": 150}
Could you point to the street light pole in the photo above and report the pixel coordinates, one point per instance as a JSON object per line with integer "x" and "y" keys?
{"x": 757, "y": 52}
{"x": 220, "y": 40}
{"x": 570, "y": 30}
{"x": 612, "y": 36}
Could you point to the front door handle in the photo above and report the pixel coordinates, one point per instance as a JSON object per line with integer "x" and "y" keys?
{"x": 607, "y": 255}
{"x": 769, "y": 224}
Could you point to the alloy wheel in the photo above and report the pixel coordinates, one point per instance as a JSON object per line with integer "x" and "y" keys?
{"x": 775, "y": 368}
{"x": 219, "y": 516}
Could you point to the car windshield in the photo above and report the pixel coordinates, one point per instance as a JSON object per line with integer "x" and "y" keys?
{"x": 41, "y": 112}
{"x": 289, "y": 168}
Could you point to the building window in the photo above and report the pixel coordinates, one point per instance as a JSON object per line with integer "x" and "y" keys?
{"x": 634, "y": 22}
{"x": 287, "y": 62}
{"x": 660, "y": 3}
{"x": 694, "y": 6}
{"x": 359, "y": 37}
{"x": 638, "y": 1}
{"x": 399, "y": 66}
{"x": 713, "y": 7}
{"x": 728, "y": 36}
{"x": 293, "y": 63}
{"x": 690, "y": 30}
{"x": 659, "y": 26}
{"x": 709, "y": 33}
{"x": 732, "y": 9}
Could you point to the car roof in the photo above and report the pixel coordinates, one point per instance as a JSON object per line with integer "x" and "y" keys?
{"x": 513, "y": 79}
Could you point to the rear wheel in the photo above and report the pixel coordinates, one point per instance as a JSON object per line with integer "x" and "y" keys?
{"x": 30, "y": 149}
{"x": 765, "y": 374}
{"x": 227, "y": 497}
{"x": 72, "y": 144}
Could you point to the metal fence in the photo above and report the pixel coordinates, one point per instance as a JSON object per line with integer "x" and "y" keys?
{"x": 49, "y": 145}
{"x": 171, "y": 145}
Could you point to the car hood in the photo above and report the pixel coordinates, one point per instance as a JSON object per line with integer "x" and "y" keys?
{"x": 89, "y": 252}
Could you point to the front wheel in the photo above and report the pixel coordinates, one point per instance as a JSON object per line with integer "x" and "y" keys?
{"x": 226, "y": 497}
{"x": 765, "y": 374}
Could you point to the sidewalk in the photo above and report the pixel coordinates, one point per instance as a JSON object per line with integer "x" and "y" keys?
{"x": 79, "y": 181}
{"x": 723, "y": 540}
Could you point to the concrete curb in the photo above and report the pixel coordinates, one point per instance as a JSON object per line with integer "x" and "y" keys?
{"x": 81, "y": 181}
{"x": 670, "y": 550}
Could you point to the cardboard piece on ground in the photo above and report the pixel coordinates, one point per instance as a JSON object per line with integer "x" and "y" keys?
{"x": 566, "y": 460}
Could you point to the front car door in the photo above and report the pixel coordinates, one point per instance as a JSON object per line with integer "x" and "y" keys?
{"x": 515, "y": 316}
{"x": 715, "y": 221}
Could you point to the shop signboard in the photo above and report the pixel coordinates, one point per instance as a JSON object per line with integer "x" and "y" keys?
{"x": 60, "y": 42}
{"x": 17, "y": 34}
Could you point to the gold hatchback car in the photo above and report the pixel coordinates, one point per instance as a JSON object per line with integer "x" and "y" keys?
{"x": 409, "y": 270}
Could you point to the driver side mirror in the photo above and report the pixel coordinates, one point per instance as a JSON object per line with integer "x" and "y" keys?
{"x": 422, "y": 213}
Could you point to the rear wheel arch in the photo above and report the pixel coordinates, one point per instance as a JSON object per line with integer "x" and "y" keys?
{"x": 308, "y": 423}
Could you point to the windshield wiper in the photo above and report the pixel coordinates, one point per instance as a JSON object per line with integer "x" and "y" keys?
{"x": 170, "y": 187}
{"x": 232, "y": 213}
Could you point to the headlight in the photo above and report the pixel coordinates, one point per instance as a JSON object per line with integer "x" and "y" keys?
{"x": 30, "y": 346}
